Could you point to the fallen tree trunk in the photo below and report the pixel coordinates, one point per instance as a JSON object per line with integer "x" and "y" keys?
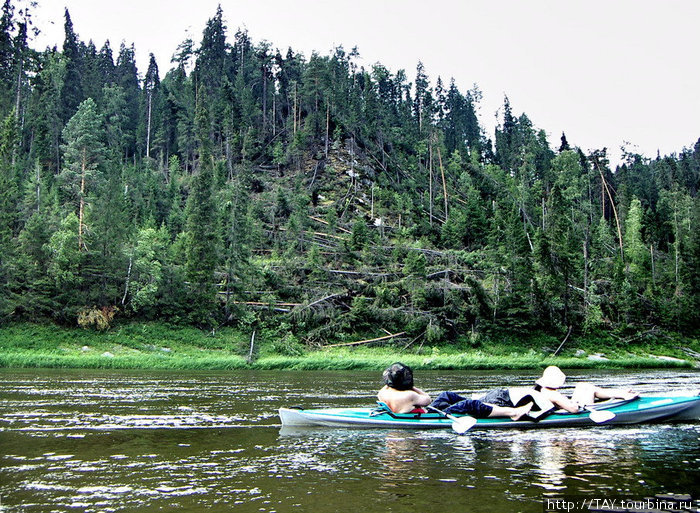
{"x": 368, "y": 341}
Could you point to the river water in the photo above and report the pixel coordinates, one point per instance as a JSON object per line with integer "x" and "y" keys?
{"x": 103, "y": 441}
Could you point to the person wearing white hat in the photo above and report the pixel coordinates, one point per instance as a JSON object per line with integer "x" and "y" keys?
{"x": 584, "y": 394}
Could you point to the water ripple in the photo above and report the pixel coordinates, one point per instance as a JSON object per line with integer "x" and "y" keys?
{"x": 110, "y": 441}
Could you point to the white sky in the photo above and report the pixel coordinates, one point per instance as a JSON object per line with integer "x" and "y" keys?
{"x": 606, "y": 72}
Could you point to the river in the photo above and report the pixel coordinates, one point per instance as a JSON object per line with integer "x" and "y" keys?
{"x": 103, "y": 441}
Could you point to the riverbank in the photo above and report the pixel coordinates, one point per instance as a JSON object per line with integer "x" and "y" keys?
{"x": 158, "y": 346}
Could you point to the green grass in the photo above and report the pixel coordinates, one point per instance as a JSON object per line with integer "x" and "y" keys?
{"x": 160, "y": 346}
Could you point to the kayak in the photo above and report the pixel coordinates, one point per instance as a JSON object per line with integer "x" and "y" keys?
{"x": 635, "y": 411}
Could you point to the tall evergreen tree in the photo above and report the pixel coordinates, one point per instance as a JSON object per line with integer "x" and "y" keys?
{"x": 201, "y": 225}
{"x": 72, "y": 87}
{"x": 7, "y": 52}
{"x": 45, "y": 111}
{"x": 9, "y": 206}
{"x": 127, "y": 78}
{"x": 83, "y": 156}
{"x": 151, "y": 87}
{"x": 105, "y": 65}
{"x": 423, "y": 102}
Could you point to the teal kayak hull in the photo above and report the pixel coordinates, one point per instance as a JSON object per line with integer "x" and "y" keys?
{"x": 642, "y": 410}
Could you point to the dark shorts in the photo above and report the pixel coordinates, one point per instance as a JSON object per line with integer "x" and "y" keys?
{"x": 450, "y": 402}
{"x": 498, "y": 396}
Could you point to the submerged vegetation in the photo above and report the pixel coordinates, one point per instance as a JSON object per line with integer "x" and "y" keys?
{"x": 306, "y": 198}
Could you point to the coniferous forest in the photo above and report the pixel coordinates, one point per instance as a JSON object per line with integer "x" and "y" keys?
{"x": 247, "y": 186}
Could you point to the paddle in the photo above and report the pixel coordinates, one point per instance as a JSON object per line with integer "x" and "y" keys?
{"x": 599, "y": 416}
{"x": 460, "y": 425}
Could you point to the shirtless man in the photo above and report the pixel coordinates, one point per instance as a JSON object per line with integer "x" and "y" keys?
{"x": 584, "y": 394}
{"x": 401, "y": 396}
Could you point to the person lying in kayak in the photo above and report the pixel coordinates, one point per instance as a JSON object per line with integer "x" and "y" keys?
{"x": 584, "y": 394}
{"x": 402, "y": 396}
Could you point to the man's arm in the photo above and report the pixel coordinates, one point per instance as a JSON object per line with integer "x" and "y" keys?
{"x": 421, "y": 398}
{"x": 564, "y": 402}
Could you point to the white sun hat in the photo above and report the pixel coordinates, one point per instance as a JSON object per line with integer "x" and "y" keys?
{"x": 552, "y": 377}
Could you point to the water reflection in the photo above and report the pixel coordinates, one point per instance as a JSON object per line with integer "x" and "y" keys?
{"x": 109, "y": 441}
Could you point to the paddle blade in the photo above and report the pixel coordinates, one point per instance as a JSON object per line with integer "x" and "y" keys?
{"x": 600, "y": 416}
{"x": 463, "y": 424}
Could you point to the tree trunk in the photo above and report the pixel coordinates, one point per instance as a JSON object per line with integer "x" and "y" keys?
{"x": 294, "y": 111}
{"x": 38, "y": 189}
{"x": 264, "y": 99}
{"x": 148, "y": 125}
{"x": 617, "y": 219}
{"x": 430, "y": 182}
{"x": 328, "y": 125}
{"x": 274, "y": 115}
{"x": 127, "y": 281}
{"x": 17, "y": 105}
{"x": 444, "y": 183}
{"x": 81, "y": 210}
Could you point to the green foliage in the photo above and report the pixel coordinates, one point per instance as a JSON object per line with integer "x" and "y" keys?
{"x": 65, "y": 259}
{"x": 159, "y": 346}
{"x": 415, "y": 264}
{"x": 82, "y": 156}
{"x": 150, "y": 254}
{"x": 251, "y": 188}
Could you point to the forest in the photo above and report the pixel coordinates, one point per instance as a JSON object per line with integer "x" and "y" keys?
{"x": 251, "y": 187}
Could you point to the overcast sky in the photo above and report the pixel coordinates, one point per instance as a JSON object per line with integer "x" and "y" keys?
{"x": 606, "y": 72}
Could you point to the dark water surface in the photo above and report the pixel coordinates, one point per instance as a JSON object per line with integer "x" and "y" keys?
{"x": 201, "y": 441}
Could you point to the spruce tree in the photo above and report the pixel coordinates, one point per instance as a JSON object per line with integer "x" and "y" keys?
{"x": 151, "y": 88}
{"x": 72, "y": 88}
{"x": 9, "y": 207}
{"x": 202, "y": 247}
{"x": 7, "y": 51}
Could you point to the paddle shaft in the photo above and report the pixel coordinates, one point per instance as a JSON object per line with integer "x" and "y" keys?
{"x": 459, "y": 424}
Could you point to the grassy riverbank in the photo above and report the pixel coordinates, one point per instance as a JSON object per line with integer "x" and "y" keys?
{"x": 157, "y": 346}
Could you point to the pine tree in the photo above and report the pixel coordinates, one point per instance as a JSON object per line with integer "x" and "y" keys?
{"x": 83, "y": 155}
